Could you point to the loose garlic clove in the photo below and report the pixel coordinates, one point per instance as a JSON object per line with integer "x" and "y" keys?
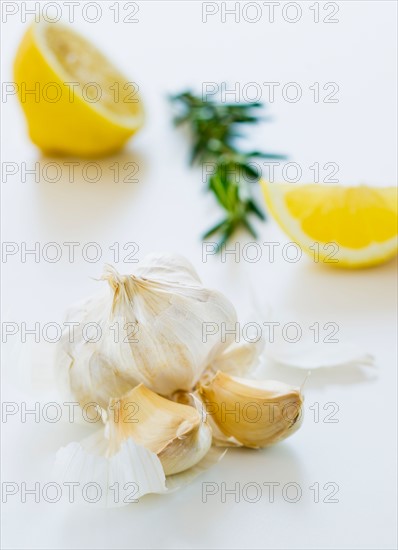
{"x": 253, "y": 413}
{"x": 175, "y": 432}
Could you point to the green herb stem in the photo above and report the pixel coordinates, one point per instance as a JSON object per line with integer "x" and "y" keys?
{"x": 214, "y": 129}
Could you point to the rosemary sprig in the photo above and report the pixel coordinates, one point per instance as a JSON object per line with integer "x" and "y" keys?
{"x": 214, "y": 128}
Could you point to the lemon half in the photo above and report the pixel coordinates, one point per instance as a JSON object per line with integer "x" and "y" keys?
{"x": 341, "y": 226}
{"x": 75, "y": 101}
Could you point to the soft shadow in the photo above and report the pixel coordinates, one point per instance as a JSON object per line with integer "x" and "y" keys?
{"x": 278, "y": 464}
{"x": 79, "y": 193}
{"x": 355, "y": 292}
{"x": 238, "y": 468}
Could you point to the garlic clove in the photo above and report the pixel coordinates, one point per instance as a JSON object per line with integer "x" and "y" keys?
{"x": 177, "y": 481}
{"x": 253, "y": 413}
{"x": 176, "y": 433}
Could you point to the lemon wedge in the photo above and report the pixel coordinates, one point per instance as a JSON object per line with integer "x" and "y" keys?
{"x": 75, "y": 101}
{"x": 342, "y": 226}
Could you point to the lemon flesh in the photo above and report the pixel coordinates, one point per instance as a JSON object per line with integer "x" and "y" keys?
{"x": 361, "y": 223}
{"x": 75, "y": 101}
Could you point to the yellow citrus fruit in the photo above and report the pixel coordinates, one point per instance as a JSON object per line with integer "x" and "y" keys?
{"x": 75, "y": 101}
{"x": 342, "y": 226}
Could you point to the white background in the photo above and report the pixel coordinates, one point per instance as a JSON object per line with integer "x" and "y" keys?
{"x": 169, "y": 50}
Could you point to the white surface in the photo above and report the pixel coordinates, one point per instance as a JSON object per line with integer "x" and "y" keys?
{"x": 168, "y": 50}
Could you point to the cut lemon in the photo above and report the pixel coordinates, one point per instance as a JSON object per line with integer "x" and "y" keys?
{"x": 75, "y": 101}
{"x": 342, "y": 226}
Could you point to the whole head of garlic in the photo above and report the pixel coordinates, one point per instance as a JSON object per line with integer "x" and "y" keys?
{"x": 150, "y": 328}
{"x": 252, "y": 413}
{"x": 178, "y": 434}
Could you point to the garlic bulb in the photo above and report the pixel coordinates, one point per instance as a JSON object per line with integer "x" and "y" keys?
{"x": 253, "y": 413}
{"x": 175, "y": 432}
{"x": 151, "y": 332}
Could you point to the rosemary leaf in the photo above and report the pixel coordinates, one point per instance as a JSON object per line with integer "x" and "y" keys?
{"x": 213, "y": 127}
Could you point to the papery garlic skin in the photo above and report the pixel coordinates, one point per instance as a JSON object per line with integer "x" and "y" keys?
{"x": 151, "y": 326}
{"x": 239, "y": 359}
{"x": 89, "y": 462}
{"x": 252, "y": 413}
{"x": 176, "y": 433}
